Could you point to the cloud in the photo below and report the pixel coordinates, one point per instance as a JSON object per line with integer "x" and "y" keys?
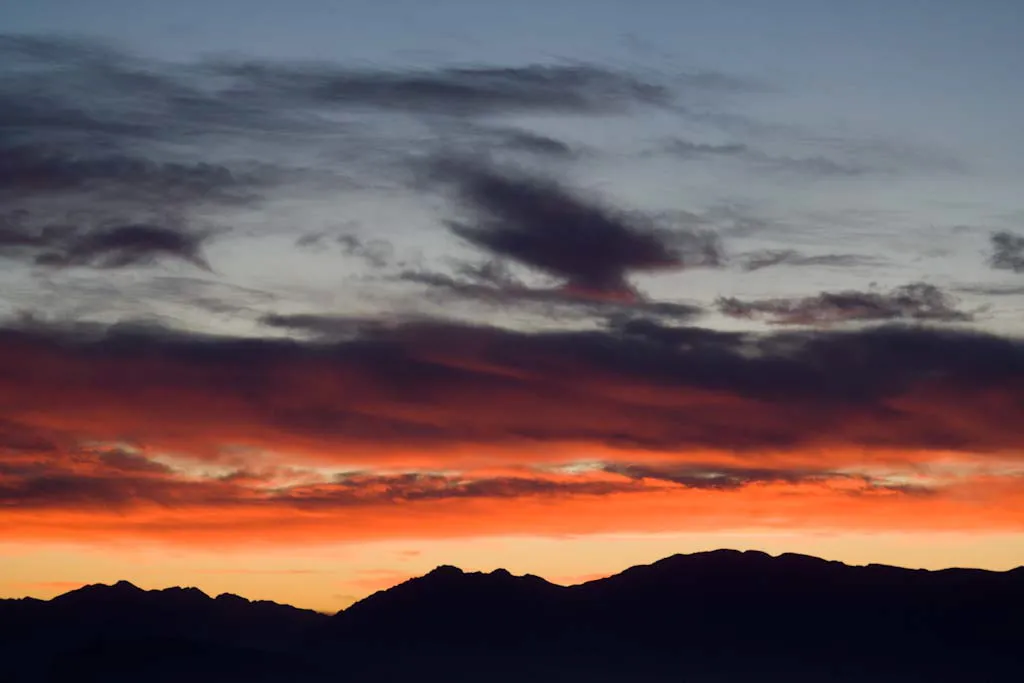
{"x": 107, "y": 246}
{"x": 768, "y": 258}
{"x": 814, "y": 166}
{"x": 492, "y": 282}
{"x": 437, "y": 429}
{"x": 416, "y": 487}
{"x": 533, "y": 143}
{"x": 638, "y": 384}
{"x": 688, "y": 149}
{"x": 91, "y": 483}
{"x": 93, "y": 135}
{"x": 459, "y": 91}
{"x": 728, "y": 478}
{"x": 1007, "y": 252}
{"x": 542, "y": 225}
{"x": 127, "y": 461}
{"x": 377, "y": 253}
{"x": 39, "y": 170}
{"x": 16, "y": 437}
{"x": 143, "y": 482}
{"x": 917, "y": 301}
{"x": 78, "y": 86}
{"x": 993, "y": 290}
{"x": 319, "y": 325}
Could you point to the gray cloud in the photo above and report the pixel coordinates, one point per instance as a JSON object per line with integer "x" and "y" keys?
{"x": 38, "y": 170}
{"x": 533, "y": 143}
{"x": 106, "y": 246}
{"x": 768, "y": 258}
{"x": 377, "y": 253}
{"x": 462, "y": 91}
{"x": 125, "y": 480}
{"x": 492, "y": 283}
{"x": 918, "y": 301}
{"x": 1007, "y": 251}
{"x": 817, "y": 165}
{"x": 993, "y": 290}
{"x": 719, "y": 478}
{"x": 542, "y": 225}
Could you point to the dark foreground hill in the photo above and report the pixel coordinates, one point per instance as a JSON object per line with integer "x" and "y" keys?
{"x": 709, "y": 617}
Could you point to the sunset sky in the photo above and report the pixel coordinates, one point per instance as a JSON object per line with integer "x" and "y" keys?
{"x": 301, "y": 299}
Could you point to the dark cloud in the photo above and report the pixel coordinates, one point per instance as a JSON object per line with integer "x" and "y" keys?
{"x": 721, "y": 478}
{"x": 36, "y": 170}
{"x": 1007, "y": 252}
{"x": 120, "y": 480}
{"x": 127, "y": 461}
{"x": 17, "y": 437}
{"x": 319, "y": 325}
{"x": 460, "y": 91}
{"x": 917, "y": 301}
{"x": 993, "y": 290}
{"x": 545, "y": 226}
{"x": 109, "y": 246}
{"x": 492, "y": 282}
{"x": 718, "y": 478}
{"x": 687, "y": 149}
{"x": 416, "y": 487}
{"x": 95, "y": 97}
{"x": 130, "y": 480}
{"x": 71, "y": 87}
{"x": 635, "y": 384}
{"x": 534, "y": 143}
{"x": 788, "y": 257}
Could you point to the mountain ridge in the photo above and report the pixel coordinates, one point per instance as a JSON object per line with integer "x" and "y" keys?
{"x": 704, "y": 617}
{"x": 453, "y": 571}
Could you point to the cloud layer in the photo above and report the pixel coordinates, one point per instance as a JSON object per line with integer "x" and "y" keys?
{"x": 442, "y": 414}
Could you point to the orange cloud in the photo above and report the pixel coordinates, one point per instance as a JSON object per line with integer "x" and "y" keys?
{"x": 447, "y": 430}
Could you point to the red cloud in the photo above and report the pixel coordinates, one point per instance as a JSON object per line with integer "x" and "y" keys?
{"x": 452, "y": 431}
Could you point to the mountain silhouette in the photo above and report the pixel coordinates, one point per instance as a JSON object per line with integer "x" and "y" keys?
{"x": 716, "y": 616}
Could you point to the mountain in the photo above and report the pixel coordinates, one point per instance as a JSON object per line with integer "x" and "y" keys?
{"x": 707, "y": 617}
{"x": 121, "y": 632}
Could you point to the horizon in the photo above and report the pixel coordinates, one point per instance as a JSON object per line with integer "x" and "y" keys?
{"x": 503, "y": 571}
{"x": 298, "y": 300}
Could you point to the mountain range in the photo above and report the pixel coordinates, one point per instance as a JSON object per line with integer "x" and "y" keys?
{"x": 707, "y": 617}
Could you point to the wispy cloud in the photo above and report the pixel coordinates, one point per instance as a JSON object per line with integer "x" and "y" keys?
{"x": 769, "y": 258}
{"x": 105, "y": 246}
{"x": 813, "y": 166}
{"x": 918, "y": 301}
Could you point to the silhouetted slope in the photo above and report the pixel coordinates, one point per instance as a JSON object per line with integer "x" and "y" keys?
{"x": 722, "y": 613}
{"x": 755, "y": 611}
{"x": 707, "y": 617}
{"x": 99, "y": 630}
{"x": 482, "y": 608}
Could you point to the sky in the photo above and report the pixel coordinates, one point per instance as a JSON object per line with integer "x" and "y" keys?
{"x": 299, "y": 300}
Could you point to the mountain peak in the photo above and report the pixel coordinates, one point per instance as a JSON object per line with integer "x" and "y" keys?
{"x": 445, "y": 570}
{"x": 122, "y": 590}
